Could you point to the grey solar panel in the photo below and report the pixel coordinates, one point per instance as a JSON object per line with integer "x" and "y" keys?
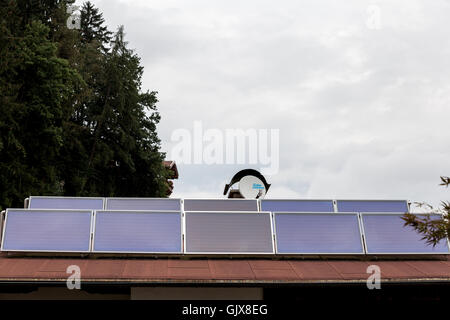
{"x": 318, "y": 233}
{"x": 372, "y": 206}
{"x": 293, "y": 205}
{"x": 69, "y": 203}
{"x": 386, "y": 234}
{"x": 220, "y": 205}
{"x": 137, "y": 232}
{"x": 143, "y": 204}
{"x": 228, "y": 233}
{"x": 47, "y": 230}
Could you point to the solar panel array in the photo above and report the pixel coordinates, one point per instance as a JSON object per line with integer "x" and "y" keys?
{"x": 213, "y": 226}
{"x": 220, "y": 205}
{"x": 312, "y": 233}
{"x": 137, "y": 232}
{"x": 385, "y": 233}
{"x": 65, "y": 203}
{"x": 47, "y": 230}
{"x": 142, "y": 204}
{"x": 297, "y": 205}
{"x": 372, "y": 206}
{"x": 228, "y": 232}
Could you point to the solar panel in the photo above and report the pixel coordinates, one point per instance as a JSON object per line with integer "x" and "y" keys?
{"x": 372, "y": 206}
{"x": 228, "y": 232}
{"x": 220, "y": 205}
{"x": 386, "y": 233}
{"x": 2, "y": 219}
{"x": 297, "y": 205}
{"x": 318, "y": 233}
{"x": 137, "y": 232}
{"x": 73, "y": 203}
{"x": 47, "y": 230}
{"x": 143, "y": 204}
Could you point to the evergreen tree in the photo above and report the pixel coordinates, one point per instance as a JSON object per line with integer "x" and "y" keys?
{"x": 73, "y": 119}
{"x": 41, "y": 10}
{"x": 92, "y": 26}
{"x": 124, "y": 157}
{"x": 34, "y": 93}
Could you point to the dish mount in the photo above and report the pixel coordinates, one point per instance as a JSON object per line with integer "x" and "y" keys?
{"x": 251, "y": 185}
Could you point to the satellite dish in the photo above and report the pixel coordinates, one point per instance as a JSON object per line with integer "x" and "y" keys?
{"x": 251, "y": 187}
{"x": 252, "y": 184}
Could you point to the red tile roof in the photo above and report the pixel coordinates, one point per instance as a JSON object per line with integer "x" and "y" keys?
{"x": 171, "y": 165}
{"x": 165, "y": 270}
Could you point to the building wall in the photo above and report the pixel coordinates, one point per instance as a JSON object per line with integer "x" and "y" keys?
{"x": 193, "y": 293}
{"x": 140, "y": 293}
{"x": 60, "y": 293}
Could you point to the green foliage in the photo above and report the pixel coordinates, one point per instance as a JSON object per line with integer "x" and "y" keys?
{"x": 73, "y": 119}
{"x": 445, "y": 181}
{"x": 92, "y": 26}
{"x": 433, "y": 230}
{"x": 35, "y": 89}
{"x": 121, "y": 154}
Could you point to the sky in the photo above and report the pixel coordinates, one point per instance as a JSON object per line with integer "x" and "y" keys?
{"x": 358, "y": 92}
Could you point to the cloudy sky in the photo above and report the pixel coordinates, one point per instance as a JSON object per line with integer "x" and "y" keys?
{"x": 360, "y": 91}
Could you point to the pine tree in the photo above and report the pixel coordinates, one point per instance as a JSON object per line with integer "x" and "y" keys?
{"x": 35, "y": 89}
{"x": 41, "y": 10}
{"x": 73, "y": 119}
{"x": 124, "y": 157}
{"x": 92, "y": 26}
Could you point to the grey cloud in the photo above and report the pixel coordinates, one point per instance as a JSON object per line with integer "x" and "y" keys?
{"x": 361, "y": 113}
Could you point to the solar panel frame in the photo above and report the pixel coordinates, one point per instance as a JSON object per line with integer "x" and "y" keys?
{"x": 228, "y": 252}
{"x": 140, "y": 252}
{"x": 396, "y": 253}
{"x": 105, "y": 207}
{"x": 2, "y": 219}
{"x": 221, "y": 199}
{"x": 407, "y": 202}
{"x": 30, "y": 199}
{"x": 363, "y": 251}
{"x": 47, "y": 210}
{"x": 299, "y": 200}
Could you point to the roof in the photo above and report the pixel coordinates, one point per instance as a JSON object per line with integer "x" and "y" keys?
{"x": 219, "y": 271}
{"x": 171, "y": 165}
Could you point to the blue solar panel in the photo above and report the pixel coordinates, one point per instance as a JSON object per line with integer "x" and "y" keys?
{"x": 47, "y": 230}
{"x": 220, "y": 205}
{"x": 297, "y": 205}
{"x": 137, "y": 232}
{"x": 313, "y": 233}
{"x": 372, "y": 206}
{"x": 228, "y": 232}
{"x": 66, "y": 203}
{"x": 386, "y": 233}
{"x": 143, "y": 204}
